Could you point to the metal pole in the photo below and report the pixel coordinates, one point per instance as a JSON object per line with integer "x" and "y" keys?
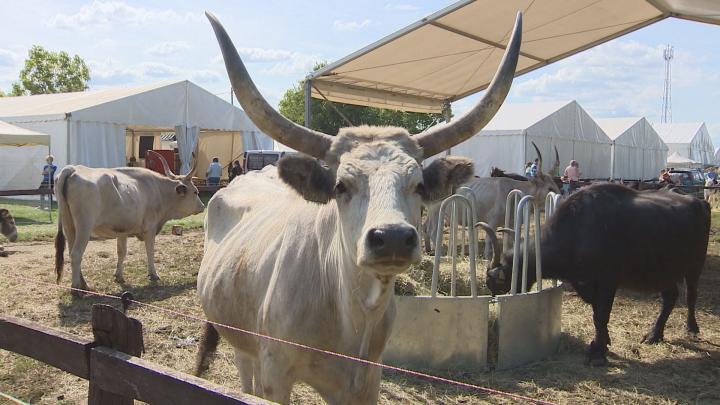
{"x": 447, "y": 115}
{"x": 308, "y": 101}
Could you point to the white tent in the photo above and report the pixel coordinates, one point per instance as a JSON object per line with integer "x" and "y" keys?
{"x": 506, "y": 140}
{"x": 104, "y": 128}
{"x": 22, "y": 155}
{"x": 690, "y": 140}
{"x": 675, "y": 160}
{"x": 638, "y": 152}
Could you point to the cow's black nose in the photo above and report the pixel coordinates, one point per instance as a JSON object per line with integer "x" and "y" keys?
{"x": 397, "y": 241}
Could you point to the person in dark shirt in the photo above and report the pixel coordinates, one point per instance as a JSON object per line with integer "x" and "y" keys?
{"x": 235, "y": 170}
{"x": 48, "y": 181}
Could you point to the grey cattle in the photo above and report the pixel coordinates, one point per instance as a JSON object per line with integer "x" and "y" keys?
{"x": 117, "y": 203}
{"x": 490, "y": 194}
{"x": 309, "y": 252}
{"x": 7, "y": 225}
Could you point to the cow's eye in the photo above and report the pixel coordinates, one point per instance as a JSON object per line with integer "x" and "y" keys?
{"x": 420, "y": 189}
{"x": 340, "y": 188}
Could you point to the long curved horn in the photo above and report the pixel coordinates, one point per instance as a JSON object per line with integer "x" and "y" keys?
{"x": 164, "y": 162}
{"x": 556, "y": 166}
{"x": 539, "y": 155}
{"x": 194, "y": 161}
{"x": 497, "y": 249}
{"x": 260, "y": 112}
{"x": 442, "y": 137}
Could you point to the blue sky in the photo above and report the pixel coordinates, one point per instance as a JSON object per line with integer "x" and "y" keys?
{"x": 136, "y": 42}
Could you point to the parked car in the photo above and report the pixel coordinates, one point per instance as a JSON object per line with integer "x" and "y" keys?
{"x": 688, "y": 180}
{"x": 257, "y": 159}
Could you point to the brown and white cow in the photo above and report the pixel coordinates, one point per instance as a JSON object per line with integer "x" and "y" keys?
{"x": 117, "y": 203}
{"x": 309, "y": 252}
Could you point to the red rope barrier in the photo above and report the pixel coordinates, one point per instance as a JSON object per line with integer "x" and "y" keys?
{"x": 302, "y": 346}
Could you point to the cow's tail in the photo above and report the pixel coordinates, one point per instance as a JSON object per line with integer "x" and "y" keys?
{"x": 60, "y": 196}
{"x": 208, "y": 345}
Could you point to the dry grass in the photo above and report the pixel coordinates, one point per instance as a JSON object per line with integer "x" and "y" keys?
{"x": 680, "y": 370}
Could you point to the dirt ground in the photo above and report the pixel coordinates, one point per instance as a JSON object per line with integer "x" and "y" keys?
{"x": 680, "y": 370}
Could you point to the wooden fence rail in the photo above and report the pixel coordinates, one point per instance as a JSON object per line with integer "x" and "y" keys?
{"x": 115, "y": 377}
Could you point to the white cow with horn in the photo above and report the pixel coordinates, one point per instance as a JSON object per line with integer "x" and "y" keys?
{"x": 117, "y": 203}
{"x": 309, "y": 253}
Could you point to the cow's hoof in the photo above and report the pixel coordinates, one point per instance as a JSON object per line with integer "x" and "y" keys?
{"x": 652, "y": 338}
{"x": 597, "y": 355}
{"x": 154, "y": 278}
{"x": 119, "y": 279}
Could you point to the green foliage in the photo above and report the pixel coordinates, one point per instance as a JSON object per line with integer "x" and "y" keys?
{"x": 51, "y": 72}
{"x": 327, "y": 120}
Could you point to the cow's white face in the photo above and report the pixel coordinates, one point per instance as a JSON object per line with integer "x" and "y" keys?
{"x": 186, "y": 199}
{"x": 378, "y": 185}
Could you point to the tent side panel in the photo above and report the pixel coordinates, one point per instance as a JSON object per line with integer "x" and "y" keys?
{"x": 486, "y": 151}
{"x": 21, "y": 166}
{"x": 58, "y": 137}
{"x": 97, "y": 144}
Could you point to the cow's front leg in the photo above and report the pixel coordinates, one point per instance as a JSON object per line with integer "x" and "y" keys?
{"x": 669, "y": 297}
{"x": 121, "y": 253}
{"x": 602, "y": 305}
{"x": 150, "y": 250}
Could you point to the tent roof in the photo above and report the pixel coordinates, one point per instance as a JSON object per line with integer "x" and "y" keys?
{"x": 678, "y": 132}
{"x": 522, "y": 115}
{"x": 614, "y": 127}
{"x": 63, "y": 103}
{"x": 675, "y": 158}
{"x": 10, "y": 135}
{"x": 454, "y": 52}
{"x": 149, "y": 107}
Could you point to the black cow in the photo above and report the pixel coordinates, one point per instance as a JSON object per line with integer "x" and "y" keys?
{"x": 608, "y": 236}
{"x": 498, "y": 172}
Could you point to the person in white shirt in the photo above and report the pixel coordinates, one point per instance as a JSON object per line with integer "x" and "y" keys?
{"x": 213, "y": 172}
{"x": 572, "y": 175}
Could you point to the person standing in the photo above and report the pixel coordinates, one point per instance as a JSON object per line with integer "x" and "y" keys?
{"x": 235, "y": 170}
{"x": 526, "y": 170}
{"x": 572, "y": 174}
{"x": 534, "y": 168}
{"x": 48, "y": 181}
{"x": 214, "y": 172}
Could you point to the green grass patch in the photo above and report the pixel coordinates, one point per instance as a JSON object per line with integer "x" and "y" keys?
{"x": 34, "y": 224}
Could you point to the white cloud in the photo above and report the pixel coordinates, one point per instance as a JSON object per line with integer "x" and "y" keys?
{"x": 279, "y": 61}
{"x": 400, "y": 7}
{"x": 167, "y": 48}
{"x": 620, "y": 78}
{"x": 110, "y": 72}
{"x": 340, "y": 25}
{"x": 104, "y": 13}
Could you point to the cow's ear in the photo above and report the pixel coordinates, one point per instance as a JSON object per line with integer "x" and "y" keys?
{"x": 181, "y": 189}
{"x": 308, "y": 177}
{"x": 444, "y": 175}
{"x": 3, "y": 212}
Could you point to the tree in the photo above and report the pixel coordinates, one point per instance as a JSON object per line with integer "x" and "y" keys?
{"x": 51, "y": 72}
{"x": 327, "y": 120}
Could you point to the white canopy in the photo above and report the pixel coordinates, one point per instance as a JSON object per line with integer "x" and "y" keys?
{"x": 637, "y": 151}
{"x": 90, "y": 127}
{"x": 11, "y": 135}
{"x": 506, "y": 140}
{"x": 455, "y": 51}
{"x": 676, "y": 160}
{"x": 690, "y": 140}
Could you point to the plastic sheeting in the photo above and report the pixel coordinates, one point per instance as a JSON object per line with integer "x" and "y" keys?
{"x": 638, "y": 152}
{"x": 506, "y": 141}
{"x": 187, "y": 139}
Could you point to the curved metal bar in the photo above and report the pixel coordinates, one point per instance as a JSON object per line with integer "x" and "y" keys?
{"x": 463, "y": 201}
{"x": 511, "y": 202}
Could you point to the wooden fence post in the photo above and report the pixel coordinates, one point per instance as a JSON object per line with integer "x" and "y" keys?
{"x": 115, "y": 330}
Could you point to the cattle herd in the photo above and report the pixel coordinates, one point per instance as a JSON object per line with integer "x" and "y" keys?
{"x": 309, "y": 251}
